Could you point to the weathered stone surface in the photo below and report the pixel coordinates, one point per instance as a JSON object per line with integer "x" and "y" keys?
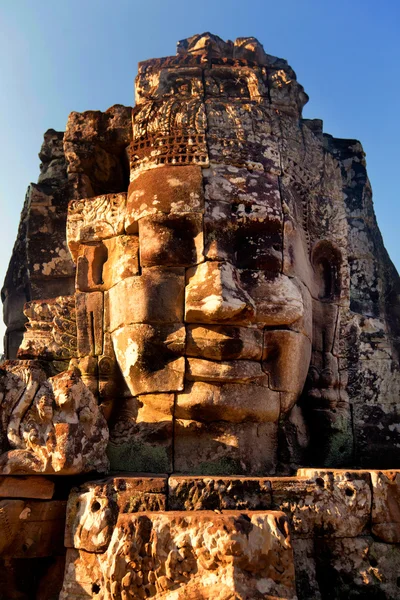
{"x": 222, "y": 493}
{"x": 36, "y": 487}
{"x": 222, "y": 448}
{"x": 89, "y": 319}
{"x": 122, "y": 259}
{"x": 232, "y": 402}
{"x": 31, "y": 528}
{"x": 220, "y": 342}
{"x": 277, "y": 300}
{"x": 172, "y": 240}
{"x": 247, "y": 555}
{"x": 94, "y": 146}
{"x": 305, "y": 569}
{"x": 128, "y": 301}
{"x": 51, "y": 330}
{"x": 280, "y": 349}
{"x": 172, "y": 190}
{"x": 95, "y": 219}
{"x": 243, "y": 218}
{"x": 234, "y": 371}
{"x": 376, "y": 428}
{"x": 54, "y": 427}
{"x": 333, "y": 504}
{"x": 233, "y": 312}
{"x": 93, "y": 508}
{"x": 150, "y": 357}
{"x": 386, "y": 505}
{"x": 214, "y": 295}
{"x": 360, "y": 567}
{"x": 141, "y": 434}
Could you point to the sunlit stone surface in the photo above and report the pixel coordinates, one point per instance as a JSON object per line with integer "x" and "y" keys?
{"x": 199, "y": 300}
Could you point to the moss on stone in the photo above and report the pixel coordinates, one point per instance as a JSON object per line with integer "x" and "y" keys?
{"x": 138, "y": 458}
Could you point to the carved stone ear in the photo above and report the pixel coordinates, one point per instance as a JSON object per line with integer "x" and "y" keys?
{"x": 326, "y": 261}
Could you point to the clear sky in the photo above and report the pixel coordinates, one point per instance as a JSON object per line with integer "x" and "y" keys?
{"x": 57, "y": 56}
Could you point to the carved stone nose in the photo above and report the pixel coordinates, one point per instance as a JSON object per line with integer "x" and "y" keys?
{"x": 214, "y": 294}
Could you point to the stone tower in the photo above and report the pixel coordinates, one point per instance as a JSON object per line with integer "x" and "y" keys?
{"x": 216, "y": 322}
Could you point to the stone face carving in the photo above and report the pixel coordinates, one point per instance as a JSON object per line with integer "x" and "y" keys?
{"x": 216, "y": 302}
{"x": 222, "y": 278}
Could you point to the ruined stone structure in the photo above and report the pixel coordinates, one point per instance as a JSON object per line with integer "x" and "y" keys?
{"x": 203, "y": 333}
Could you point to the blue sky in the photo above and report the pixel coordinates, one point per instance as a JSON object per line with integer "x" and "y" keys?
{"x": 57, "y": 56}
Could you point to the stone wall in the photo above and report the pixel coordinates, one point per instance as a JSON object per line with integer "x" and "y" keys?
{"x": 323, "y": 534}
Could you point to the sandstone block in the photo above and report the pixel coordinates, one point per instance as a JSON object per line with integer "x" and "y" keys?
{"x": 281, "y": 349}
{"x": 214, "y": 294}
{"x": 123, "y": 259}
{"x": 246, "y": 555}
{"x": 94, "y": 219}
{"x": 177, "y": 190}
{"x": 232, "y": 137}
{"x": 243, "y": 218}
{"x": 218, "y": 493}
{"x": 296, "y": 262}
{"x": 277, "y": 299}
{"x": 219, "y": 342}
{"x": 231, "y": 402}
{"x": 326, "y": 503}
{"x": 376, "y": 427}
{"x": 305, "y": 568}
{"x": 324, "y": 325}
{"x": 55, "y": 425}
{"x": 46, "y": 262}
{"x": 151, "y": 357}
{"x": 155, "y": 296}
{"x": 233, "y": 371}
{"x": 174, "y": 240}
{"x": 31, "y": 528}
{"x": 231, "y": 184}
{"x": 221, "y": 448}
{"x": 89, "y": 318}
{"x": 110, "y": 128}
{"x": 386, "y": 505}
{"x": 89, "y": 267}
{"x": 244, "y": 234}
{"x": 141, "y": 434}
{"x": 36, "y": 487}
{"x": 93, "y": 508}
{"x": 358, "y": 567}
{"x": 94, "y": 145}
{"x": 180, "y": 82}
{"x": 51, "y": 331}
{"x": 245, "y": 83}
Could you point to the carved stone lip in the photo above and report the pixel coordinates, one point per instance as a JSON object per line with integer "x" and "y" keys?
{"x": 224, "y": 371}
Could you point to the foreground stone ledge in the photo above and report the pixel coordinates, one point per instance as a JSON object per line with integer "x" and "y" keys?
{"x": 31, "y": 528}
{"x": 336, "y": 505}
{"x": 26, "y": 487}
{"x": 357, "y": 567}
{"x": 94, "y": 507}
{"x": 218, "y": 493}
{"x": 333, "y": 506}
{"x": 386, "y": 505}
{"x": 385, "y": 490}
{"x": 177, "y": 555}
